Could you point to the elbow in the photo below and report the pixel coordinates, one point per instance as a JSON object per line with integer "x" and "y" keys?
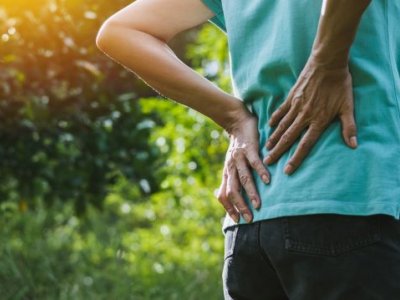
{"x": 109, "y": 35}
{"x": 104, "y": 36}
{"x": 100, "y": 39}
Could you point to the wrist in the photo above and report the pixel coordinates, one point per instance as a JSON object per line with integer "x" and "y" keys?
{"x": 235, "y": 114}
{"x": 328, "y": 60}
{"x": 329, "y": 66}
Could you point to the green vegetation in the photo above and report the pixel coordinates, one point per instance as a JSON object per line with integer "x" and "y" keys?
{"x": 106, "y": 189}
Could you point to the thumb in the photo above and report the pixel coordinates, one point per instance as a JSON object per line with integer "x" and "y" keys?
{"x": 349, "y": 129}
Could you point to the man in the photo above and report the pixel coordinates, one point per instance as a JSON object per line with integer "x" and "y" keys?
{"x": 323, "y": 221}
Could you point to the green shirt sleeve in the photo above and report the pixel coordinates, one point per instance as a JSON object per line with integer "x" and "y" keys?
{"x": 216, "y": 7}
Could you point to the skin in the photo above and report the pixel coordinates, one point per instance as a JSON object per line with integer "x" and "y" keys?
{"x": 137, "y": 37}
{"x": 322, "y": 93}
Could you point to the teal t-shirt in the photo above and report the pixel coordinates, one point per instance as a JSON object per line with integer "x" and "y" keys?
{"x": 269, "y": 44}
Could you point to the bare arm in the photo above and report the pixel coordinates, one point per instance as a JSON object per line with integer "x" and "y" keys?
{"x": 336, "y": 31}
{"x": 323, "y": 89}
{"x": 137, "y": 37}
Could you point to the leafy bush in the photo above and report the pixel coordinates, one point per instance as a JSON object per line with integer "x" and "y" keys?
{"x": 167, "y": 246}
{"x": 78, "y": 133}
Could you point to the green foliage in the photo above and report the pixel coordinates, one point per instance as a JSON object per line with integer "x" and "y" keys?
{"x": 79, "y": 132}
{"x": 174, "y": 254}
{"x": 167, "y": 247}
{"x": 210, "y": 56}
{"x": 194, "y": 145}
{"x": 69, "y": 117}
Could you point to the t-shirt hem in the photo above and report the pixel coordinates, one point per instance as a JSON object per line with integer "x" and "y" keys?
{"x": 318, "y": 207}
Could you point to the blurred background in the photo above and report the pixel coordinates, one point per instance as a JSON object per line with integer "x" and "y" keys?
{"x": 107, "y": 190}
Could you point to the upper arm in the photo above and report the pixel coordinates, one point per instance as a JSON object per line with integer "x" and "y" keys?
{"x": 162, "y": 18}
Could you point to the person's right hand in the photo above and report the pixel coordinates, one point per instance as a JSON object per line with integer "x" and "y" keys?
{"x": 241, "y": 156}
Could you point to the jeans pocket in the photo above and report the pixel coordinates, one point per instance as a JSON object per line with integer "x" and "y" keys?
{"x": 230, "y": 240}
{"x": 330, "y": 234}
{"x": 391, "y": 230}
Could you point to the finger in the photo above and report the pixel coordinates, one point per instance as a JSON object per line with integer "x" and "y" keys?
{"x": 349, "y": 129}
{"x": 234, "y": 196}
{"x": 283, "y": 125}
{"x": 223, "y": 199}
{"x": 279, "y": 113}
{"x": 306, "y": 143}
{"x": 246, "y": 179}
{"x": 286, "y": 140}
{"x": 255, "y": 162}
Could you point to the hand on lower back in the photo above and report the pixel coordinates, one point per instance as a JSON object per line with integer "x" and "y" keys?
{"x": 319, "y": 95}
{"x": 241, "y": 157}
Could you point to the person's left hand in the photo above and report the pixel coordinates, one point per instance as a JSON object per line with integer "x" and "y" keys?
{"x": 241, "y": 158}
{"x": 320, "y": 94}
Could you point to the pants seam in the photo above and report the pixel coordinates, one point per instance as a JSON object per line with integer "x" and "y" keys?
{"x": 266, "y": 259}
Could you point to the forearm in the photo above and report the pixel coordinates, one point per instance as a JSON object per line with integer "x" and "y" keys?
{"x": 155, "y": 63}
{"x": 336, "y": 30}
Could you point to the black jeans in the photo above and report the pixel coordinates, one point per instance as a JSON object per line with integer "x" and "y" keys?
{"x": 321, "y": 256}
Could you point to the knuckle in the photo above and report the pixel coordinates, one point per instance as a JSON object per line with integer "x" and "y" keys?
{"x": 273, "y": 155}
{"x": 230, "y": 211}
{"x": 243, "y": 210}
{"x": 281, "y": 127}
{"x": 294, "y": 162}
{"x": 251, "y": 194}
{"x": 254, "y": 162}
{"x": 297, "y": 102}
{"x": 322, "y": 121}
{"x": 231, "y": 195}
{"x": 221, "y": 198}
{"x": 248, "y": 149}
{"x": 314, "y": 131}
{"x": 277, "y": 112}
{"x": 285, "y": 139}
{"x": 306, "y": 145}
{"x": 313, "y": 127}
{"x": 236, "y": 153}
{"x": 305, "y": 116}
{"x": 244, "y": 178}
{"x": 231, "y": 165}
{"x": 352, "y": 128}
{"x": 273, "y": 138}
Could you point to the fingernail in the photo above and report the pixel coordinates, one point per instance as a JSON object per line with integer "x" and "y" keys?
{"x": 268, "y": 160}
{"x": 269, "y": 144}
{"x": 265, "y": 178}
{"x": 254, "y": 202}
{"x": 288, "y": 169}
{"x": 247, "y": 217}
{"x": 353, "y": 141}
